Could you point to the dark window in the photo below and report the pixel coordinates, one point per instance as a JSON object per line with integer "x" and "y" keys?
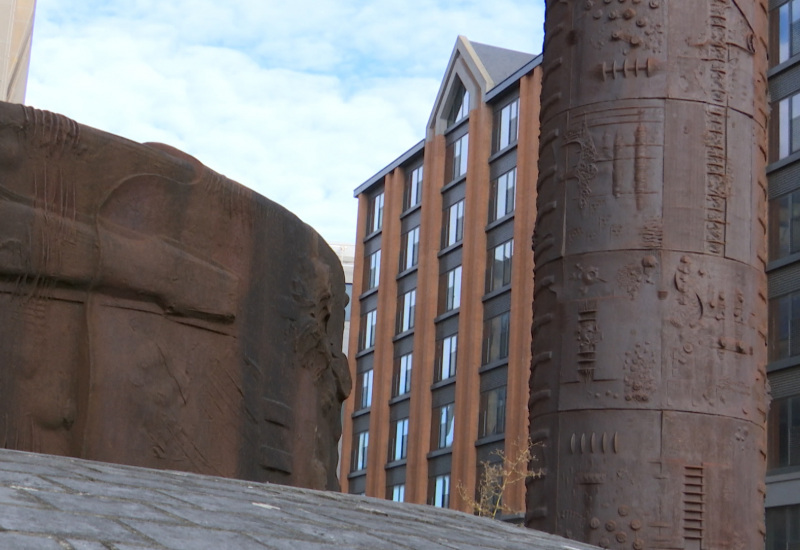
{"x": 409, "y": 253}
{"x": 785, "y": 31}
{"x": 373, "y": 270}
{"x": 506, "y": 126}
{"x": 413, "y": 188}
{"x": 450, "y": 290}
{"x": 783, "y": 528}
{"x": 492, "y": 412}
{"x": 398, "y": 440}
{"x": 453, "y": 228}
{"x": 446, "y": 357}
{"x": 401, "y": 378}
{"x": 366, "y": 334}
{"x": 375, "y": 216}
{"x": 406, "y": 306}
{"x": 396, "y": 493}
{"x": 788, "y": 128}
{"x": 501, "y": 195}
{"x": 498, "y": 272}
{"x": 784, "y": 225}
{"x": 443, "y": 422}
{"x": 495, "y": 338}
{"x": 360, "y": 446}
{"x": 364, "y": 389}
{"x": 783, "y": 431}
{"x": 439, "y": 491}
{"x": 784, "y": 326}
{"x": 456, "y": 157}
{"x": 459, "y": 109}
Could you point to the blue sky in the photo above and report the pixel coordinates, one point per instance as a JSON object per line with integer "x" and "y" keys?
{"x": 301, "y": 100}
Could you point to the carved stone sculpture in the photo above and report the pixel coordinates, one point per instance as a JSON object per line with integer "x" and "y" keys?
{"x": 155, "y": 313}
{"x": 648, "y": 372}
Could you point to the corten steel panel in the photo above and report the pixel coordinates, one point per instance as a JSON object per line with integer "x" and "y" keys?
{"x": 648, "y": 383}
{"x": 157, "y": 314}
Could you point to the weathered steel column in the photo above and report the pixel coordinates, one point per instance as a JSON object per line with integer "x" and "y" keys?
{"x": 648, "y": 374}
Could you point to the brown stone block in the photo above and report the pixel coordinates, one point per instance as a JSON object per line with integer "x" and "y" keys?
{"x": 158, "y": 314}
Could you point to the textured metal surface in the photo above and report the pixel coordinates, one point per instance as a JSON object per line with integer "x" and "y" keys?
{"x": 648, "y": 383}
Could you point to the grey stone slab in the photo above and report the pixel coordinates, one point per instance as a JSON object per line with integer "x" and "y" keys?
{"x": 17, "y": 541}
{"x": 244, "y": 523}
{"x": 101, "y": 506}
{"x": 123, "y": 508}
{"x": 63, "y": 524}
{"x": 33, "y": 468}
{"x": 113, "y": 490}
{"x": 180, "y": 537}
{"x": 90, "y": 545}
{"x": 16, "y": 496}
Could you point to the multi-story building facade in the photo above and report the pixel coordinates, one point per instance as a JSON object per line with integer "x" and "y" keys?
{"x": 417, "y": 242}
{"x": 783, "y": 273}
{"x": 440, "y": 347}
{"x": 15, "y": 40}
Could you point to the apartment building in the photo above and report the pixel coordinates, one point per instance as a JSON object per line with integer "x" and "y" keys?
{"x": 15, "y": 40}
{"x": 783, "y": 273}
{"x": 440, "y": 346}
{"x": 442, "y": 306}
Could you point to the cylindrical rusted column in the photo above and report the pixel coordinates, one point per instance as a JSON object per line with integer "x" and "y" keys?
{"x": 648, "y": 380}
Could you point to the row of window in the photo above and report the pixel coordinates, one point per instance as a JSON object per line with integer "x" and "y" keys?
{"x": 491, "y": 421}
{"x": 498, "y": 276}
{"x": 491, "y": 414}
{"x": 496, "y": 333}
{"x": 438, "y": 491}
{"x": 457, "y": 154}
{"x": 502, "y": 204}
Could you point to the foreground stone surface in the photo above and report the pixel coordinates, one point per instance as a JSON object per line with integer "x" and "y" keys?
{"x": 49, "y": 502}
{"x": 155, "y": 313}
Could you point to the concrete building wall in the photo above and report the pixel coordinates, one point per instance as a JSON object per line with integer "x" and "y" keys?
{"x": 15, "y": 43}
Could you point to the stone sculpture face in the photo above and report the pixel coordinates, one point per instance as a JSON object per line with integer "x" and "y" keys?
{"x": 155, "y": 313}
{"x": 648, "y": 374}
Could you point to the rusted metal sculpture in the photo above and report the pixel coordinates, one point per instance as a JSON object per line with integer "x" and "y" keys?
{"x": 648, "y": 372}
{"x": 155, "y": 313}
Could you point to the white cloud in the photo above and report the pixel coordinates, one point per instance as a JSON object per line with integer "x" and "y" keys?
{"x": 301, "y": 100}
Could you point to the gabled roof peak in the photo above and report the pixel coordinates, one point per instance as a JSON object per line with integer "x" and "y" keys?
{"x": 479, "y": 67}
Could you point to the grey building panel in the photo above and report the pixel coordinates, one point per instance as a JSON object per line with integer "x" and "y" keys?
{"x": 500, "y": 234}
{"x": 396, "y": 475}
{"x": 785, "y": 383}
{"x": 784, "y": 84}
{"x": 784, "y": 280}
{"x": 440, "y": 465}
{"x": 451, "y": 260}
{"x": 399, "y": 410}
{"x": 497, "y": 305}
{"x": 361, "y": 423}
{"x": 443, "y": 396}
{"x": 365, "y": 362}
{"x": 494, "y": 378}
{"x": 447, "y": 327}
{"x": 783, "y": 490}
